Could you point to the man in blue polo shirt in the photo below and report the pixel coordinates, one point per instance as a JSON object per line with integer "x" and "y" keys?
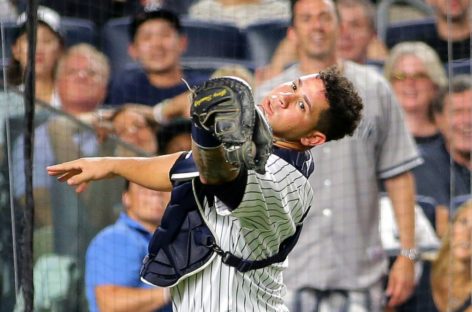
{"x": 114, "y": 256}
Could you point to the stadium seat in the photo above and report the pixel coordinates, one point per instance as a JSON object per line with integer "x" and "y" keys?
{"x": 78, "y": 30}
{"x": 263, "y": 39}
{"x": 459, "y": 200}
{"x": 214, "y": 40}
{"x": 8, "y": 30}
{"x": 383, "y": 13}
{"x": 408, "y": 31}
{"x": 459, "y": 67}
{"x": 115, "y": 41}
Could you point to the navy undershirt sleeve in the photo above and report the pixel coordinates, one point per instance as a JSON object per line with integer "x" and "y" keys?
{"x": 230, "y": 193}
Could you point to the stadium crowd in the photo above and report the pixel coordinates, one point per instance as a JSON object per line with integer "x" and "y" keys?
{"x": 113, "y": 78}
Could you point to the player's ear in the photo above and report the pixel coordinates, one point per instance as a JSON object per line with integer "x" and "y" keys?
{"x": 313, "y": 139}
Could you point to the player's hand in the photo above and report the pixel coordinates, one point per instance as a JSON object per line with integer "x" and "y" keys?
{"x": 401, "y": 281}
{"x": 78, "y": 173}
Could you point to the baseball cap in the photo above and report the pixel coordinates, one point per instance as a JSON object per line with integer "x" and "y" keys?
{"x": 147, "y": 14}
{"x": 46, "y": 16}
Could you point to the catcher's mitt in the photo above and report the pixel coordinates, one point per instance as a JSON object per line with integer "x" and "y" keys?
{"x": 225, "y": 107}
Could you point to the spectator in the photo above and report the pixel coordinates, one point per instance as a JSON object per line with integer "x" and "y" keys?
{"x": 451, "y": 277}
{"x": 81, "y": 81}
{"x": 157, "y": 43}
{"x": 340, "y": 250}
{"x": 49, "y": 47}
{"x": 135, "y": 128}
{"x": 416, "y": 75}
{"x": 175, "y": 136}
{"x": 453, "y": 115}
{"x": 358, "y": 41}
{"x": 452, "y": 24}
{"x": 239, "y": 12}
{"x": 115, "y": 255}
{"x": 178, "y": 107}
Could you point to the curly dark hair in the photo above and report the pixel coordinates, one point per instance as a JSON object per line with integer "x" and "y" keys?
{"x": 345, "y": 106}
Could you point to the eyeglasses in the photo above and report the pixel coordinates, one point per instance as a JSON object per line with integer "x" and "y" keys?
{"x": 400, "y": 76}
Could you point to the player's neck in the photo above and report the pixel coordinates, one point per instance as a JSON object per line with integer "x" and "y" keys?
{"x": 292, "y": 145}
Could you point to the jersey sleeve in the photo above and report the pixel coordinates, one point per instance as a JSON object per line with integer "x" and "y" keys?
{"x": 397, "y": 152}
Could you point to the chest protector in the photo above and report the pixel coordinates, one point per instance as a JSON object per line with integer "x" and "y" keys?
{"x": 183, "y": 244}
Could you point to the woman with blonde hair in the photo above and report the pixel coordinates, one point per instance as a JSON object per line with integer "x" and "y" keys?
{"x": 451, "y": 274}
{"x": 416, "y": 74}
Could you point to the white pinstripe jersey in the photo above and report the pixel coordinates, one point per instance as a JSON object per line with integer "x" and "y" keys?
{"x": 271, "y": 208}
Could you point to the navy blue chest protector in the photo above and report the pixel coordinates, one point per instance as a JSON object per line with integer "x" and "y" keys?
{"x": 184, "y": 245}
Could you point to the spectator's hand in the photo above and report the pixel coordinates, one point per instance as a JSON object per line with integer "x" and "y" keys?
{"x": 178, "y": 106}
{"x": 78, "y": 173}
{"x": 146, "y": 110}
{"x": 401, "y": 281}
{"x": 101, "y": 122}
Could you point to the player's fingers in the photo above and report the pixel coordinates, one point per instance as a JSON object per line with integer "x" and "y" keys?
{"x": 82, "y": 187}
{"x": 64, "y": 167}
{"x": 64, "y": 176}
{"x": 78, "y": 178}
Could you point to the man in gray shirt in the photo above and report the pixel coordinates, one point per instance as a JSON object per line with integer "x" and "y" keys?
{"x": 340, "y": 251}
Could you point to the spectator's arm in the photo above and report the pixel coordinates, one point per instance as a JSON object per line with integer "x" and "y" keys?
{"x": 285, "y": 54}
{"x": 165, "y": 111}
{"x": 401, "y": 190}
{"x": 111, "y": 298}
{"x": 442, "y": 220}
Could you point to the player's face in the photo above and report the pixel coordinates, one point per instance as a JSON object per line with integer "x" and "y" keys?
{"x": 356, "y": 33}
{"x": 293, "y": 109}
{"x": 157, "y": 46}
{"x": 412, "y": 85}
{"x": 144, "y": 205}
{"x": 461, "y": 236}
{"x": 456, "y": 122}
{"x": 315, "y": 28}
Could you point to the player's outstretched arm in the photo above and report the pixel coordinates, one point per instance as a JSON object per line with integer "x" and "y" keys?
{"x": 150, "y": 172}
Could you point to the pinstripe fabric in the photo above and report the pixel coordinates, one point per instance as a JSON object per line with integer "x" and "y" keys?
{"x": 272, "y": 206}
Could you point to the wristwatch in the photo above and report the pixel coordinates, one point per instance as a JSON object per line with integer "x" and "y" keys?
{"x": 410, "y": 253}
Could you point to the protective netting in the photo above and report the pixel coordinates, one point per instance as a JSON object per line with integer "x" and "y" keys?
{"x": 46, "y": 228}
